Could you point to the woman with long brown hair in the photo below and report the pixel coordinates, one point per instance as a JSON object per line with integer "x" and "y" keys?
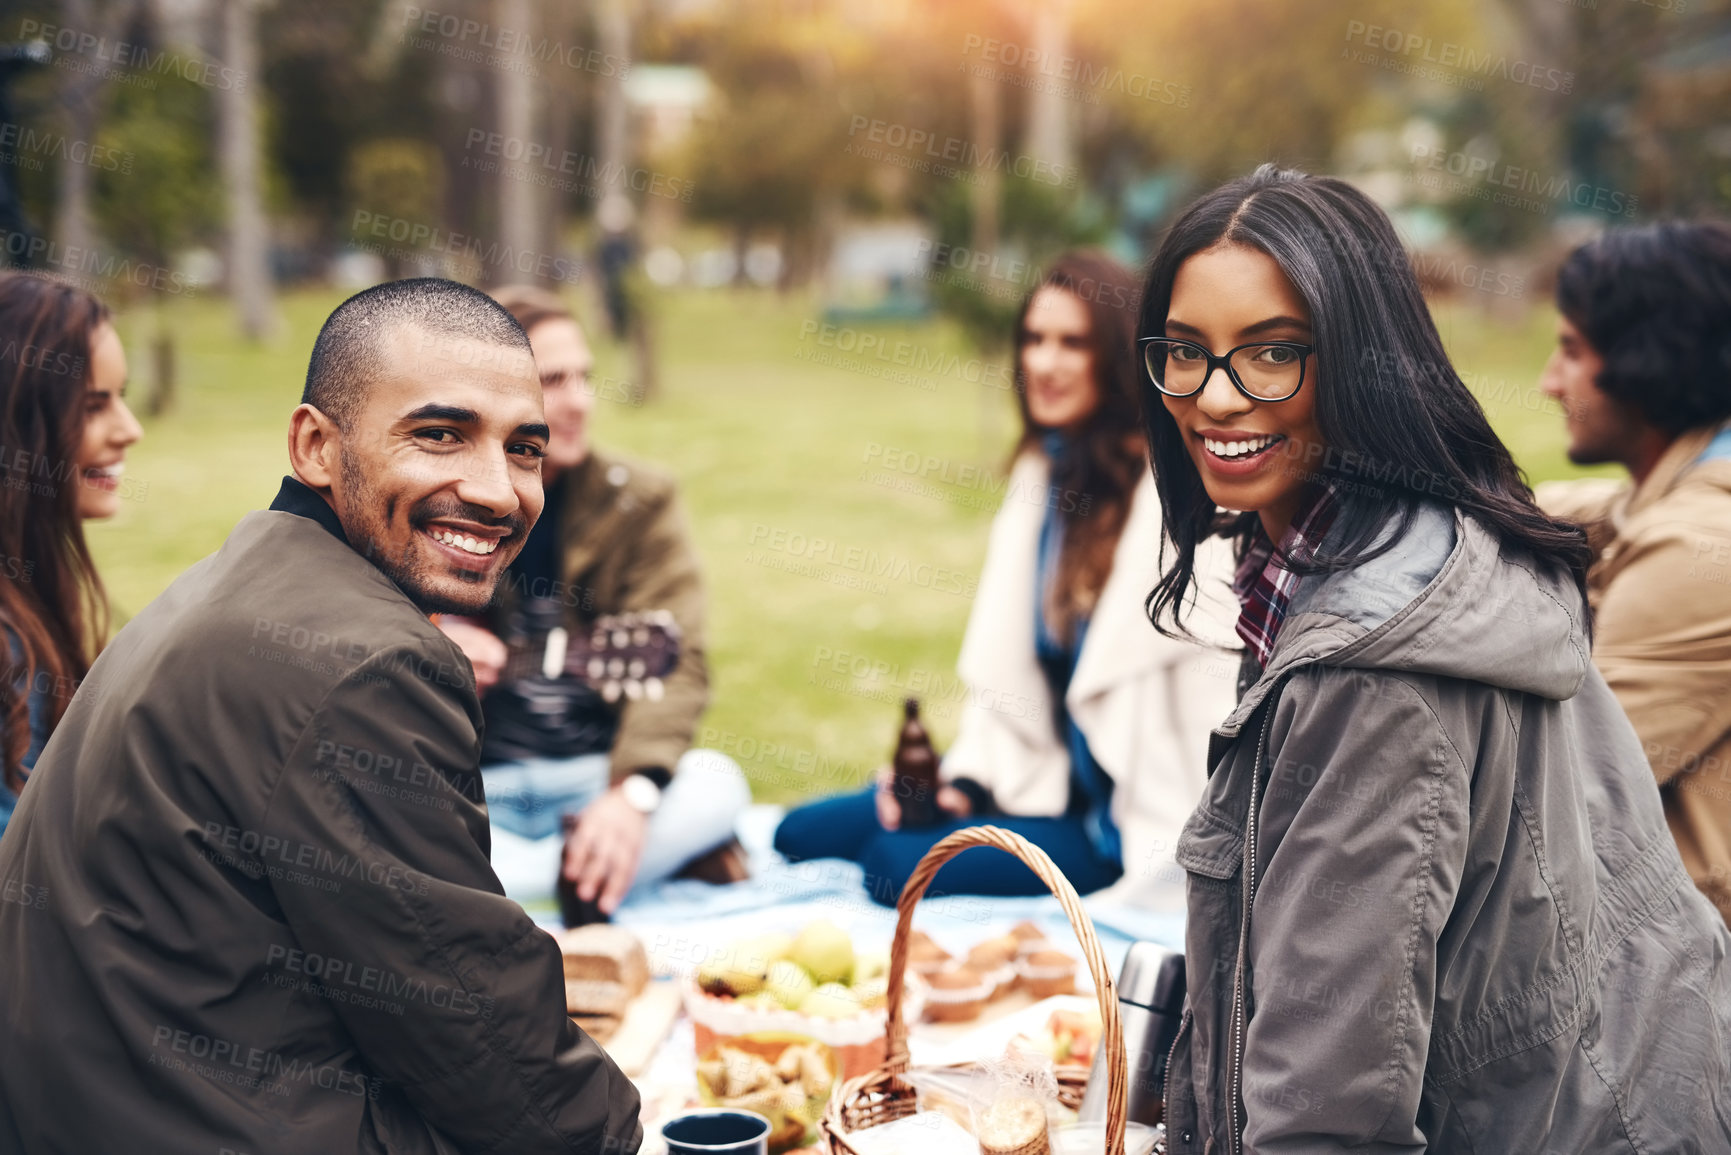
{"x": 1082, "y": 728}
{"x": 64, "y": 432}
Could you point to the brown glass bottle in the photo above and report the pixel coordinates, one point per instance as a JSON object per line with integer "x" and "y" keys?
{"x": 915, "y": 767}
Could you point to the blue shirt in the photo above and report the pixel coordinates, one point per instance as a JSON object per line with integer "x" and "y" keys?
{"x": 36, "y": 706}
{"x": 1090, "y": 786}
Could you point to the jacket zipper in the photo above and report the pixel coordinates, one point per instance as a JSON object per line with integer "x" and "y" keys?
{"x": 1171, "y": 1054}
{"x": 1235, "y": 1084}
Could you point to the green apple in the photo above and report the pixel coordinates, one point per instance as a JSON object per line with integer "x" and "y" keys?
{"x": 871, "y": 964}
{"x": 789, "y": 983}
{"x": 825, "y": 951}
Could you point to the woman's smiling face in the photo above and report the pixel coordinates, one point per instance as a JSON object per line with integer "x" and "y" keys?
{"x": 1232, "y": 295}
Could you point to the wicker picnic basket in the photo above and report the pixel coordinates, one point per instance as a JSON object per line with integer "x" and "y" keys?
{"x": 883, "y": 1096}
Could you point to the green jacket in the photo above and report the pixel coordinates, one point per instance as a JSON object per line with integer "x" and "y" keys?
{"x": 624, "y": 545}
{"x": 249, "y": 905}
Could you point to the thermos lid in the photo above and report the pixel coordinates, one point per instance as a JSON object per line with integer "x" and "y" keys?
{"x": 1152, "y": 976}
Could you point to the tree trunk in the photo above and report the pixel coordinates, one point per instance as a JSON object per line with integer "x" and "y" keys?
{"x": 613, "y": 141}
{"x": 988, "y": 117}
{"x": 249, "y": 279}
{"x": 1050, "y": 138}
{"x": 80, "y": 92}
{"x": 520, "y": 211}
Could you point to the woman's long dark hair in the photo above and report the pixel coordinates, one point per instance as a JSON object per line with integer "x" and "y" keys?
{"x": 1096, "y": 480}
{"x": 1398, "y": 422}
{"x": 53, "y": 622}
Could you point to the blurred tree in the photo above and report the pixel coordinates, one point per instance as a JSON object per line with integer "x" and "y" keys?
{"x": 156, "y": 200}
{"x": 772, "y": 152}
{"x": 397, "y": 177}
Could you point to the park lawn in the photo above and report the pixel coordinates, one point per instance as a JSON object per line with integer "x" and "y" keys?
{"x": 832, "y": 593}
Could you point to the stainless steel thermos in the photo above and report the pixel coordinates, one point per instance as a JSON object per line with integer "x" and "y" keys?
{"x": 1150, "y": 1002}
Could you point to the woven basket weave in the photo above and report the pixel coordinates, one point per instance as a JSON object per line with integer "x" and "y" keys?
{"x": 883, "y": 1096}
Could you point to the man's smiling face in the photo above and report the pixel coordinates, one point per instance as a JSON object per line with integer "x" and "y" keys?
{"x": 439, "y": 474}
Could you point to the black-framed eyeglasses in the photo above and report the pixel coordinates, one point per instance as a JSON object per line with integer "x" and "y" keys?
{"x": 1262, "y": 371}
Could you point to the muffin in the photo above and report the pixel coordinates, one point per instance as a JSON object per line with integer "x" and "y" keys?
{"x": 1026, "y": 931}
{"x": 995, "y": 960}
{"x": 1013, "y": 1126}
{"x": 956, "y": 995}
{"x": 994, "y": 952}
{"x": 1046, "y": 972}
{"x": 926, "y": 957}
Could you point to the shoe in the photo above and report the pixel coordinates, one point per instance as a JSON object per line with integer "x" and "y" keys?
{"x": 574, "y": 911}
{"x": 726, "y": 863}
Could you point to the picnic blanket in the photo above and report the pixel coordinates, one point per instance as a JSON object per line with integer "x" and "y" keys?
{"x": 679, "y": 921}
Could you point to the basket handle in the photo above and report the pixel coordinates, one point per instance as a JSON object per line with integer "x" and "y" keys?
{"x": 1037, "y": 860}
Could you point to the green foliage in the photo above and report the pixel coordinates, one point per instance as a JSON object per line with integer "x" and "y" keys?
{"x": 397, "y": 177}
{"x": 1037, "y": 222}
{"x": 164, "y": 194}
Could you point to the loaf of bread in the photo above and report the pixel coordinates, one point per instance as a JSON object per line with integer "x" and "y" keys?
{"x": 603, "y": 953}
{"x": 593, "y": 997}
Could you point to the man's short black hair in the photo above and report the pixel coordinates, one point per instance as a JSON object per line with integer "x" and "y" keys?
{"x": 1655, "y": 303}
{"x": 345, "y": 356}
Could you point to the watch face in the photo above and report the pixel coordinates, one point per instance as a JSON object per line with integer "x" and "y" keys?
{"x": 641, "y": 793}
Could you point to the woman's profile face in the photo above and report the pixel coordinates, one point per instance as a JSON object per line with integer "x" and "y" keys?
{"x": 1057, "y": 356}
{"x": 109, "y": 427}
{"x": 1253, "y": 455}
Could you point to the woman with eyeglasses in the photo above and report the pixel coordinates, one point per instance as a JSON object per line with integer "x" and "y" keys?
{"x": 1080, "y": 727}
{"x": 64, "y": 432}
{"x": 1433, "y": 901}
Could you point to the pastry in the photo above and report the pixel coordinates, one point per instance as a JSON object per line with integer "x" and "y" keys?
{"x": 994, "y": 953}
{"x": 1044, "y": 973}
{"x": 602, "y": 952}
{"x": 925, "y": 956}
{"x": 1014, "y": 1126}
{"x": 956, "y": 995}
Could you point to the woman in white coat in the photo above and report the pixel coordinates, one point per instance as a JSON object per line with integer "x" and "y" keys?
{"x": 1084, "y": 729}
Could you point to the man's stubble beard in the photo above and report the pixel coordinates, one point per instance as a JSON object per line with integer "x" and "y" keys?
{"x": 409, "y": 571}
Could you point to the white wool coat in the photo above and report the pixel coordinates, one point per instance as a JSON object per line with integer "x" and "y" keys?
{"x": 1145, "y": 702}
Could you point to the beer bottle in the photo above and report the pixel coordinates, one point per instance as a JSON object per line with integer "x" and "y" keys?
{"x": 915, "y": 767}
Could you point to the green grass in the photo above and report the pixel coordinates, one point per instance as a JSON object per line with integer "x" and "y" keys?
{"x": 768, "y": 444}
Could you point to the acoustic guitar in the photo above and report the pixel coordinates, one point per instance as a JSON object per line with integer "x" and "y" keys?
{"x": 620, "y": 655}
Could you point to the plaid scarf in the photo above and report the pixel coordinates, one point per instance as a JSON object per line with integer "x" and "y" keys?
{"x": 1264, "y": 586}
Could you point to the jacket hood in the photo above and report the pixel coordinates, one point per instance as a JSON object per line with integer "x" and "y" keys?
{"x": 1447, "y": 600}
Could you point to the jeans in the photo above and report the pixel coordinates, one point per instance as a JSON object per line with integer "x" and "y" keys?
{"x": 525, "y": 801}
{"x": 846, "y": 826}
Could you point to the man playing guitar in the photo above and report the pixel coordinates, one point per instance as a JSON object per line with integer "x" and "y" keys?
{"x": 586, "y": 795}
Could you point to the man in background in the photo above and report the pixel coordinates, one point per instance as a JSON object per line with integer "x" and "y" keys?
{"x": 1642, "y": 370}
{"x": 586, "y": 797}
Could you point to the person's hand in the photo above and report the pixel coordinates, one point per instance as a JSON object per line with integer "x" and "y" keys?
{"x": 481, "y": 646}
{"x": 950, "y": 800}
{"x": 603, "y": 851}
{"x": 889, "y": 806}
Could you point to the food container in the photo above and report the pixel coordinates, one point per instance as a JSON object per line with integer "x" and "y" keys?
{"x": 799, "y": 1075}
{"x": 856, "y": 1040}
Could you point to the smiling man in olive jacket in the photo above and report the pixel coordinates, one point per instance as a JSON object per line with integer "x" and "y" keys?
{"x": 249, "y": 902}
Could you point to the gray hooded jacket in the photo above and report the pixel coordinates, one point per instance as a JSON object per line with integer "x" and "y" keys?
{"x": 1433, "y": 901}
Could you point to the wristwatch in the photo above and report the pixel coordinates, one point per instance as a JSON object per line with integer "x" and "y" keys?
{"x": 641, "y": 793}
